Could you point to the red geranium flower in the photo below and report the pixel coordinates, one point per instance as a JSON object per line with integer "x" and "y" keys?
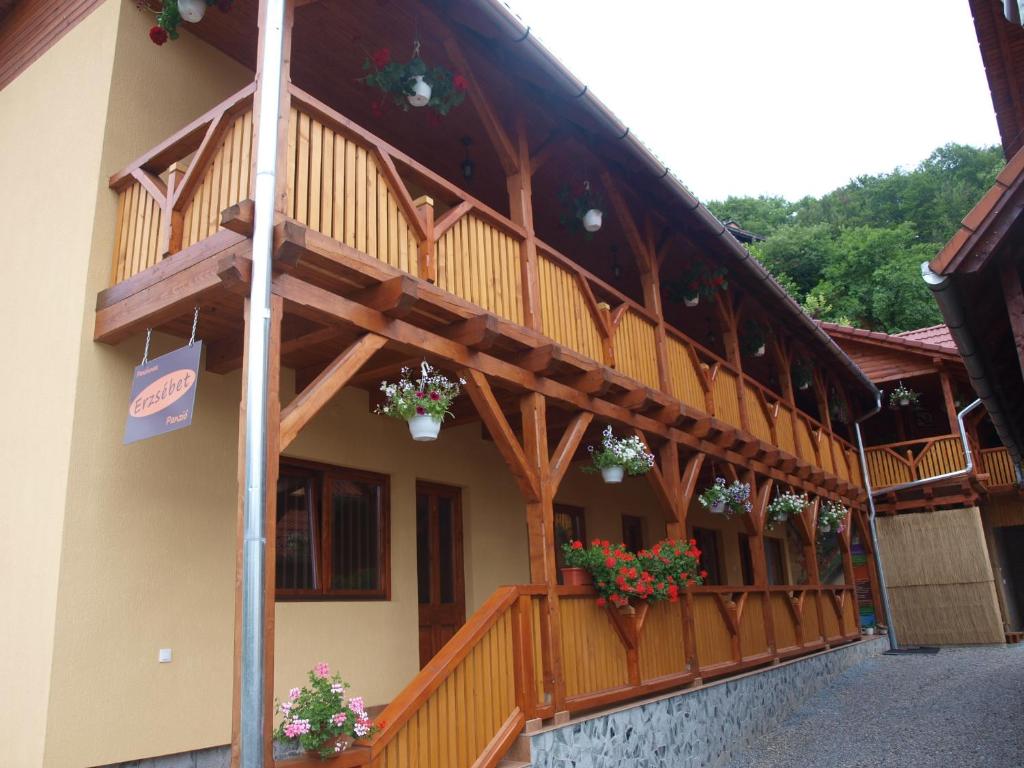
{"x": 703, "y": 574}
{"x": 158, "y": 35}
{"x": 381, "y": 57}
{"x": 610, "y": 562}
{"x": 377, "y": 108}
{"x": 577, "y": 545}
{"x": 601, "y": 602}
{"x": 459, "y": 83}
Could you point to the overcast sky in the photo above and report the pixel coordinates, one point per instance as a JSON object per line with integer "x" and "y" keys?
{"x": 749, "y": 97}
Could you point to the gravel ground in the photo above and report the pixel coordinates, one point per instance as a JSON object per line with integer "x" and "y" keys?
{"x": 961, "y": 708}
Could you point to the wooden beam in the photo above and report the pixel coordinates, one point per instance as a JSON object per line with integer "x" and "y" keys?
{"x": 325, "y": 386}
{"x": 476, "y": 333}
{"x": 396, "y": 297}
{"x": 480, "y": 392}
{"x": 493, "y": 124}
{"x": 324, "y": 306}
{"x": 566, "y": 449}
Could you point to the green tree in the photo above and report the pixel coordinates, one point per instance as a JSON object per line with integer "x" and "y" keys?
{"x": 854, "y": 254}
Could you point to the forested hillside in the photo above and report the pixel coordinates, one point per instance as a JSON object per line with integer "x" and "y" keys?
{"x": 854, "y": 255}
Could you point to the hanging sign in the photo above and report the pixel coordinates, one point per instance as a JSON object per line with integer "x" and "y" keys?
{"x": 163, "y": 394}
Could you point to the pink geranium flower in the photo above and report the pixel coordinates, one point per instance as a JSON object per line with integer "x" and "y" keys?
{"x": 322, "y": 670}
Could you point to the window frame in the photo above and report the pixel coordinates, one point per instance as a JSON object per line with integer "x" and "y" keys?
{"x": 322, "y": 476}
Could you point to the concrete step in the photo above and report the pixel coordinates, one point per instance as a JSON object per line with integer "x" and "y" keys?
{"x": 507, "y": 763}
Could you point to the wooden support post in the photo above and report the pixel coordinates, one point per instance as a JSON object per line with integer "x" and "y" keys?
{"x": 273, "y": 464}
{"x": 758, "y": 516}
{"x": 520, "y": 204}
{"x": 173, "y": 222}
{"x": 730, "y": 335}
{"x": 427, "y": 249}
{"x": 947, "y": 396}
{"x": 540, "y": 521}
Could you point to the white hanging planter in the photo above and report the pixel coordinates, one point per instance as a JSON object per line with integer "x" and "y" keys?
{"x": 759, "y": 352}
{"x": 421, "y": 90}
{"x": 192, "y": 11}
{"x": 904, "y": 401}
{"x": 424, "y": 427}
{"x": 613, "y": 474}
{"x": 718, "y": 508}
{"x": 592, "y": 220}
{"x": 691, "y": 302}
{"x": 805, "y": 386}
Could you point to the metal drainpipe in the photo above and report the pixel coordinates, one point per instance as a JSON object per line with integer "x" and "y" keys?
{"x": 872, "y": 529}
{"x": 253, "y": 565}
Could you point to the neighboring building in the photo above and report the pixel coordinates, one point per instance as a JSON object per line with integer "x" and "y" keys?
{"x": 976, "y": 278}
{"x": 127, "y": 208}
{"x": 953, "y": 548}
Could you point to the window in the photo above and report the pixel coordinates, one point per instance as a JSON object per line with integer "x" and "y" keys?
{"x": 773, "y": 555}
{"x": 333, "y": 533}
{"x": 633, "y": 532}
{"x": 710, "y": 545}
{"x": 570, "y": 524}
{"x": 746, "y": 563}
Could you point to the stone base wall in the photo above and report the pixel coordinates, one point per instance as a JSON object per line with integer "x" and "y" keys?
{"x": 701, "y": 728}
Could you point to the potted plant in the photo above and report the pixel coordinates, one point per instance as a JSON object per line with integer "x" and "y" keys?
{"x": 625, "y": 579}
{"x": 902, "y": 396}
{"x": 579, "y": 562}
{"x": 754, "y": 338}
{"x": 785, "y": 506}
{"x": 726, "y": 499}
{"x": 170, "y": 13}
{"x": 320, "y": 718}
{"x": 422, "y": 403}
{"x": 617, "y": 456}
{"x": 581, "y": 207}
{"x": 803, "y": 375}
{"x": 698, "y": 280}
{"x": 413, "y": 83}
{"x": 832, "y": 517}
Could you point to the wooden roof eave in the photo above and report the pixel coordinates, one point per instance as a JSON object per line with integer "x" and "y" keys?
{"x": 704, "y": 219}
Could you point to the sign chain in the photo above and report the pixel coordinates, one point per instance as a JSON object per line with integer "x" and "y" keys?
{"x": 195, "y": 323}
{"x": 145, "y": 352}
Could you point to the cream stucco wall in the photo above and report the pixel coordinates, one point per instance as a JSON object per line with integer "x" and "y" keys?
{"x": 51, "y": 131}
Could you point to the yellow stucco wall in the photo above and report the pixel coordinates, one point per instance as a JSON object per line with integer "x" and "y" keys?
{"x": 143, "y": 562}
{"x": 51, "y": 131}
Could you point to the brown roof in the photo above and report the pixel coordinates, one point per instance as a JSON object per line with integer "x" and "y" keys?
{"x": 1002, "y": 52}
{"x": 933, "y": 334}
{"x": 887, "y": 357}
{"x": 984, "y": 228}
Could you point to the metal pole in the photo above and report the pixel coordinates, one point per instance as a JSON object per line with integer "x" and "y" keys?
{"x": 872, "y": 529}
{"x": 253, "y": 566}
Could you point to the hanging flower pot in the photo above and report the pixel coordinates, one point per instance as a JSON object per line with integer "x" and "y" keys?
{"x": 413, "y": 83}
{"x": 576, "y": 577}
{"x": 691, "y": 301}
{"x": 192, "y": 11}
{"x": 422, "y": 403}
{"x": 613, "y": 475}
{"x": 581, "y": 208}
{"x": 618, "y": 455}
{"x": 419, "y": 92}
{"x": 902, "y": 396}
{"x": 423, "y": 427}
{"x": 783, "y": 507}
{"x": 759, "y": 352}
{"x": 726, "y": 499}
{"x": 804, "y": 386}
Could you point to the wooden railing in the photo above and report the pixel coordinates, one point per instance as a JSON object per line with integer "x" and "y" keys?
{"x": 898, "y": 463}
{"x": 999, "y": 466}
{"x": 346, "y": 183}
{"x": 468, "y": 704}
{"x": 173, "y": 196}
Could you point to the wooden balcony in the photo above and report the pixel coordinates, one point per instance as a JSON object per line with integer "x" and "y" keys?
{"x": 896, "y": 464}
{"x": 355, "y": 190}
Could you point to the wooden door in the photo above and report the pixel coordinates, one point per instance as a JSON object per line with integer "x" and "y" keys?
{"x": 439, "y": 566}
